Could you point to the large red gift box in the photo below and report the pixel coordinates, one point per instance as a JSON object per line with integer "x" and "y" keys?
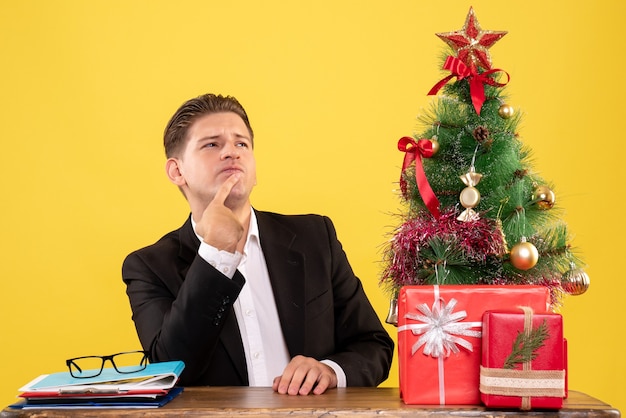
{"x": 439, "y": 338}
{"x": 533, "y": 380}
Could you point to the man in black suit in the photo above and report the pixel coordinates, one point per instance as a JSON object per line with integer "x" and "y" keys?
{"x": 246, "y": 297}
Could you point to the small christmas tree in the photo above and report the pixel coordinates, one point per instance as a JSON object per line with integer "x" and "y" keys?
{"x": 476, "y": 211}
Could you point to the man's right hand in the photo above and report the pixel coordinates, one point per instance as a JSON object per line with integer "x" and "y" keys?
{"x": 219, "y": 226}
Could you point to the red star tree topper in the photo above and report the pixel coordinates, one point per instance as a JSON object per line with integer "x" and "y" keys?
{"x": 472, "y": 43}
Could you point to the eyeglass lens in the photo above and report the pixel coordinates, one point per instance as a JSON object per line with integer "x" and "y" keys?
{"x": 91, "y": 366}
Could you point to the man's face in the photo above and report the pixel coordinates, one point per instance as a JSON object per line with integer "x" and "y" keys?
{"x": 218, "y": 146}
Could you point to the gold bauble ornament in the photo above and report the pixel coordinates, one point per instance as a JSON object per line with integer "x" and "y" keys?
{"x": 524, "y": 255}
{"x": 575, "y": 282}
{"x": 435, "y": 143}
{"x": 506, "y": 111}
{"x": 544, "y": 197}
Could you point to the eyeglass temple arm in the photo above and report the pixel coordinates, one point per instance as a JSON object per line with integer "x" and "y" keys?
{"x": 71, "y": 363}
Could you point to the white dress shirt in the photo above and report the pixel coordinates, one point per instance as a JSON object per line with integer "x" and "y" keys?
{"x": 255, "y": 309}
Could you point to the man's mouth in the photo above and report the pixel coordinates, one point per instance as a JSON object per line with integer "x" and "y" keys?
{"x": 231, "y": 170}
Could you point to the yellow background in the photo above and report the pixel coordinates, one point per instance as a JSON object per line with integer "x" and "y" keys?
{"x": 86, "y": 88}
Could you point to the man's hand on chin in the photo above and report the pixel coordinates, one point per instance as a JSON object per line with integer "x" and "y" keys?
{"x": 219, "y": 226}
{"x": 305, "y": 375}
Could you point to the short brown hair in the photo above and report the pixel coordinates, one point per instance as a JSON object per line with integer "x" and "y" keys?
{"x": 175, "y": 135}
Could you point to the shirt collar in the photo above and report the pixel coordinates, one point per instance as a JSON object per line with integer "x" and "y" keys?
{"x": 253, "y": 230}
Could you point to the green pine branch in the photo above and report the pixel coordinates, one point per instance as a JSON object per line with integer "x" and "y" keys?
{"x": 525, "y": 346}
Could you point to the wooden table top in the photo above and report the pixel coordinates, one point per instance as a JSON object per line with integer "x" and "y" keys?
{"x": 348, "y": 402}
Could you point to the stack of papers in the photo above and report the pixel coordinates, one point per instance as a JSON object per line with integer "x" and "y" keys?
{"x": 149, "y": 388}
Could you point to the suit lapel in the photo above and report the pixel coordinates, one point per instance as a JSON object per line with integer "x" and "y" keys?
{"x": 286, "y": 270}
{"x": 189, "y": 243}
{"x": 231, "y": 340}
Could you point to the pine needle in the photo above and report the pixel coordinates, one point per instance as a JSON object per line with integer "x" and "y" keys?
{"x": 525, "y": 346}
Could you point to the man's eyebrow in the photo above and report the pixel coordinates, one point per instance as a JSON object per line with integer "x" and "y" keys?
{"x": 217, "y": 135}
{"x": 208, "y": 137}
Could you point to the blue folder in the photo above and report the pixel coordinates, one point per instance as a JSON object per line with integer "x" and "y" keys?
{"x": 163, "y": 375}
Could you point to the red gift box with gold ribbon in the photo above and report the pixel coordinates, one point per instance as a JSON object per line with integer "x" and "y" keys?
{"x": 524, "y": 360}
{"x": 439, "y": 337}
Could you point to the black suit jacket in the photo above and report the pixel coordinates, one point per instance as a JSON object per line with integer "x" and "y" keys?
{"x": 182, "y": 306}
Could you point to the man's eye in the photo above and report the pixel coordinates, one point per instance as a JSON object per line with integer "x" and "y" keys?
{"x": 243, "y": 144}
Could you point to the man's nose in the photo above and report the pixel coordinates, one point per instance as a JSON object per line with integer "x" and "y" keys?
{"x": 230, "y": 151}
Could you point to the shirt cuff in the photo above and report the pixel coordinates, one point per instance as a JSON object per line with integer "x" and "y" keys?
{"x": 341, "y": 376}
{"x": 223, "y": 261}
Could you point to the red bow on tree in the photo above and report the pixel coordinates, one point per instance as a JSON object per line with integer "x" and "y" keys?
{"x": 477, "y": 80}
{"x": 414, "y": 151}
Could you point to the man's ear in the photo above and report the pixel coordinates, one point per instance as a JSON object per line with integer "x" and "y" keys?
{"x": 174, "y": 172}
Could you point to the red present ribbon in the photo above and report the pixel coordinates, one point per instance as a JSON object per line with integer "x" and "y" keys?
{"x": 477, "y": 80}
{"x": 414, "y": 151}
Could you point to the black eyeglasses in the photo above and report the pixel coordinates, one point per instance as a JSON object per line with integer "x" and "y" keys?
{"x": 92, "y": 366}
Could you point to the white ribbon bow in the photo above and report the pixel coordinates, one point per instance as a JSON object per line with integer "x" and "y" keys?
{"x": 441, "y": 329}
